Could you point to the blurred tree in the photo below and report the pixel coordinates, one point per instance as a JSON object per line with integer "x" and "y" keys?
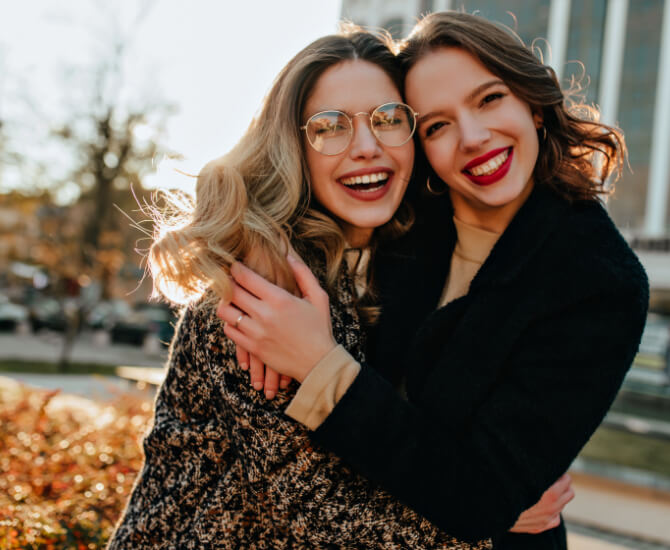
{"x": 114, "y": 147}
{"x": 108, "y": 143}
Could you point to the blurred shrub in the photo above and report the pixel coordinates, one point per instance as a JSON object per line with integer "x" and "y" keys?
{"x": 67, "y": 466}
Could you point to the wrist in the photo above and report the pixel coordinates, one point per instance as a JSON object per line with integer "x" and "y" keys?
{"x": 319, "y": 353}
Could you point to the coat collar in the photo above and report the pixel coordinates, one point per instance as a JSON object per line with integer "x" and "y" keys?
{"x": 524, "y": 236}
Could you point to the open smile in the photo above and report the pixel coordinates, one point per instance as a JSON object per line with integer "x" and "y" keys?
{"x": 367, "y": 184}
{"x": 489, "y": 168}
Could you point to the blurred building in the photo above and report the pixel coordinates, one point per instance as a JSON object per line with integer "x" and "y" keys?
{"x": 622, "y": 50}
{"x": 41, "y": 242}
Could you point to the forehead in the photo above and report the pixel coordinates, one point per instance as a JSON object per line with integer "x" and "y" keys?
{"x": 351, "y": 86}
{"x": 444, "y": 75}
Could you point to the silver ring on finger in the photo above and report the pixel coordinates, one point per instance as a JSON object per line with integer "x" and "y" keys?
{"x": 239, "y": 319}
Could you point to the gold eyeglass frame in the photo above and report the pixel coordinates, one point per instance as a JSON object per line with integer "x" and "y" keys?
{"x": 351, "y": 126}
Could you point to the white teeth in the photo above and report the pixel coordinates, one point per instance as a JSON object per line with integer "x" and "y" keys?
{"x": 490, "y": 165}
{"x": 367, "y": 178}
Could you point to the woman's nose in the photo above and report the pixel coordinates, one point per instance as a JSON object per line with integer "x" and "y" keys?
{"x": 364, "y": 143}
{"x": 474, "y": 134}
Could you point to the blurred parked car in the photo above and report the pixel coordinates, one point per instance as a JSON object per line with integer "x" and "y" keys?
{"x": 144, "y": 320}
{"x": 105, "y": 314}
{"x": 11, "y": 315}
{"x": 47, "y": 313}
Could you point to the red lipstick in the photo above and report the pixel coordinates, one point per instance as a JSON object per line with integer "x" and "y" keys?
{"x": 489, "y": 179}
{"x": 484, "y": 157}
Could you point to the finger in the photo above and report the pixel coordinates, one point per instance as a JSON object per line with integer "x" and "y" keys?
{"x": 242, "y": 357}
{"x": 519, "y": 527}
{"x": 256, "y": 372}
{"x": 522, "y": 527}
{"x": 284, "y": 381}
{"x": 564, "y": 499}
{"x": 523, "y": 523}
{"x": 254, "y": 283}
{"x": 308, "y": 283}
{"x": 220, "y": 306}
{"x": 240, "y": 321}
{"x": 271, "y": 383}
{"x": 555, "y": 522}
{"x": 244, "y": 300}
{"x": 529, "y": 523}
{"x": 558, "y": 495}
{"x": 229, "y": 314}
{"x": 239, "y": 338}
{"x": 560, "y": 485}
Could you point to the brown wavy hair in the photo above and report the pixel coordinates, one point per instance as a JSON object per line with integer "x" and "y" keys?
{"x": 579, "y": 157}
{"x": 250, "y": 203}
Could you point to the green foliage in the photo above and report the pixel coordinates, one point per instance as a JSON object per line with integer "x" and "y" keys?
{"x": 37, "y": 367}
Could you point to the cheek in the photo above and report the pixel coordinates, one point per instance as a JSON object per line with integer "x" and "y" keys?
{"x": 405, "y": 159}
{"x": 321, "y": 169}
{"x": 532, "y": 142}
{"x": 438, "y": 155}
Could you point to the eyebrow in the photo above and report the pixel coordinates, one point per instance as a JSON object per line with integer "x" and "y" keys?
{"x": 472, "y": 95}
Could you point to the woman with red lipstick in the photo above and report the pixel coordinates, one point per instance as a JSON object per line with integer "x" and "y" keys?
{"x": 541, "y": 303}
{"x": 323, "y": 167}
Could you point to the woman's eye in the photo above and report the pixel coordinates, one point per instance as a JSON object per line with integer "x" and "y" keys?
{"x": 387, "y": 122}
{"x": 434, "y": 128}
{"x": 492, "y": 97}
{"x": 330, "y": 129}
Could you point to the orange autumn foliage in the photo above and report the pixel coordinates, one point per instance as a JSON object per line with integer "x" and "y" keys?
{"x": 67, "y": 466}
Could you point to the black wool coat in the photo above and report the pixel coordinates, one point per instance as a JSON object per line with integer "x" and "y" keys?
{"x": 504, "y": 385}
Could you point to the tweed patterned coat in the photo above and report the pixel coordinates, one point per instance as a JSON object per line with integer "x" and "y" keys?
{"x": 225, "y": 468}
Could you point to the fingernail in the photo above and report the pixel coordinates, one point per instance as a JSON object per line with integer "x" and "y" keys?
{"x": 269, "y": 394}
{"x": 284, "y": 384}
{"x": 244, "y": 366}
{"x": 292, "y": 258}
{"x": 258, "y": 386}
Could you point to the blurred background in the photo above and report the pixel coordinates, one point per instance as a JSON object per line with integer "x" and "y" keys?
{"x": 103, "y": 103}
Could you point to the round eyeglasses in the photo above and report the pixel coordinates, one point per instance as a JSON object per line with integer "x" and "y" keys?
{"x": 330, "y": 132}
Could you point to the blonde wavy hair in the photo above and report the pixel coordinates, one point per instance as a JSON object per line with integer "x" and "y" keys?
{"x": 251, "y": 203}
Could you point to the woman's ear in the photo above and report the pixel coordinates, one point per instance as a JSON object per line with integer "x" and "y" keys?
{"x": 538, "y": 120}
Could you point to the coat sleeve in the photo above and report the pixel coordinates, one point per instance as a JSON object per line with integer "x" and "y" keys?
{"x": 474, "y": 480}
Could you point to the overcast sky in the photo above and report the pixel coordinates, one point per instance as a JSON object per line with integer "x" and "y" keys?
{"x": 213, "y": 59}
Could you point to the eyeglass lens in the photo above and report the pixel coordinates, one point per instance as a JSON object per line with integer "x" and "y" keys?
{"x": 330, "y": 132}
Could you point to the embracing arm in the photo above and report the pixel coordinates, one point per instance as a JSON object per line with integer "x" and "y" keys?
{"x": 474, "y": 480}
{"x": 521, "y": 439}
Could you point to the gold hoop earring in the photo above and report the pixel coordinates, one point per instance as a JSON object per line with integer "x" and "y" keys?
{"x": 543, "y": 136}
{"x": 432, "y": 191}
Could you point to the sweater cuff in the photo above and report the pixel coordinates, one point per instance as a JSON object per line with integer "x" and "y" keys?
{"x": 323, "y": 387}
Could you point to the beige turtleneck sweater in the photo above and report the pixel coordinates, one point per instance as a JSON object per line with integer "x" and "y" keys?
{"x": 329, "y": 380}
